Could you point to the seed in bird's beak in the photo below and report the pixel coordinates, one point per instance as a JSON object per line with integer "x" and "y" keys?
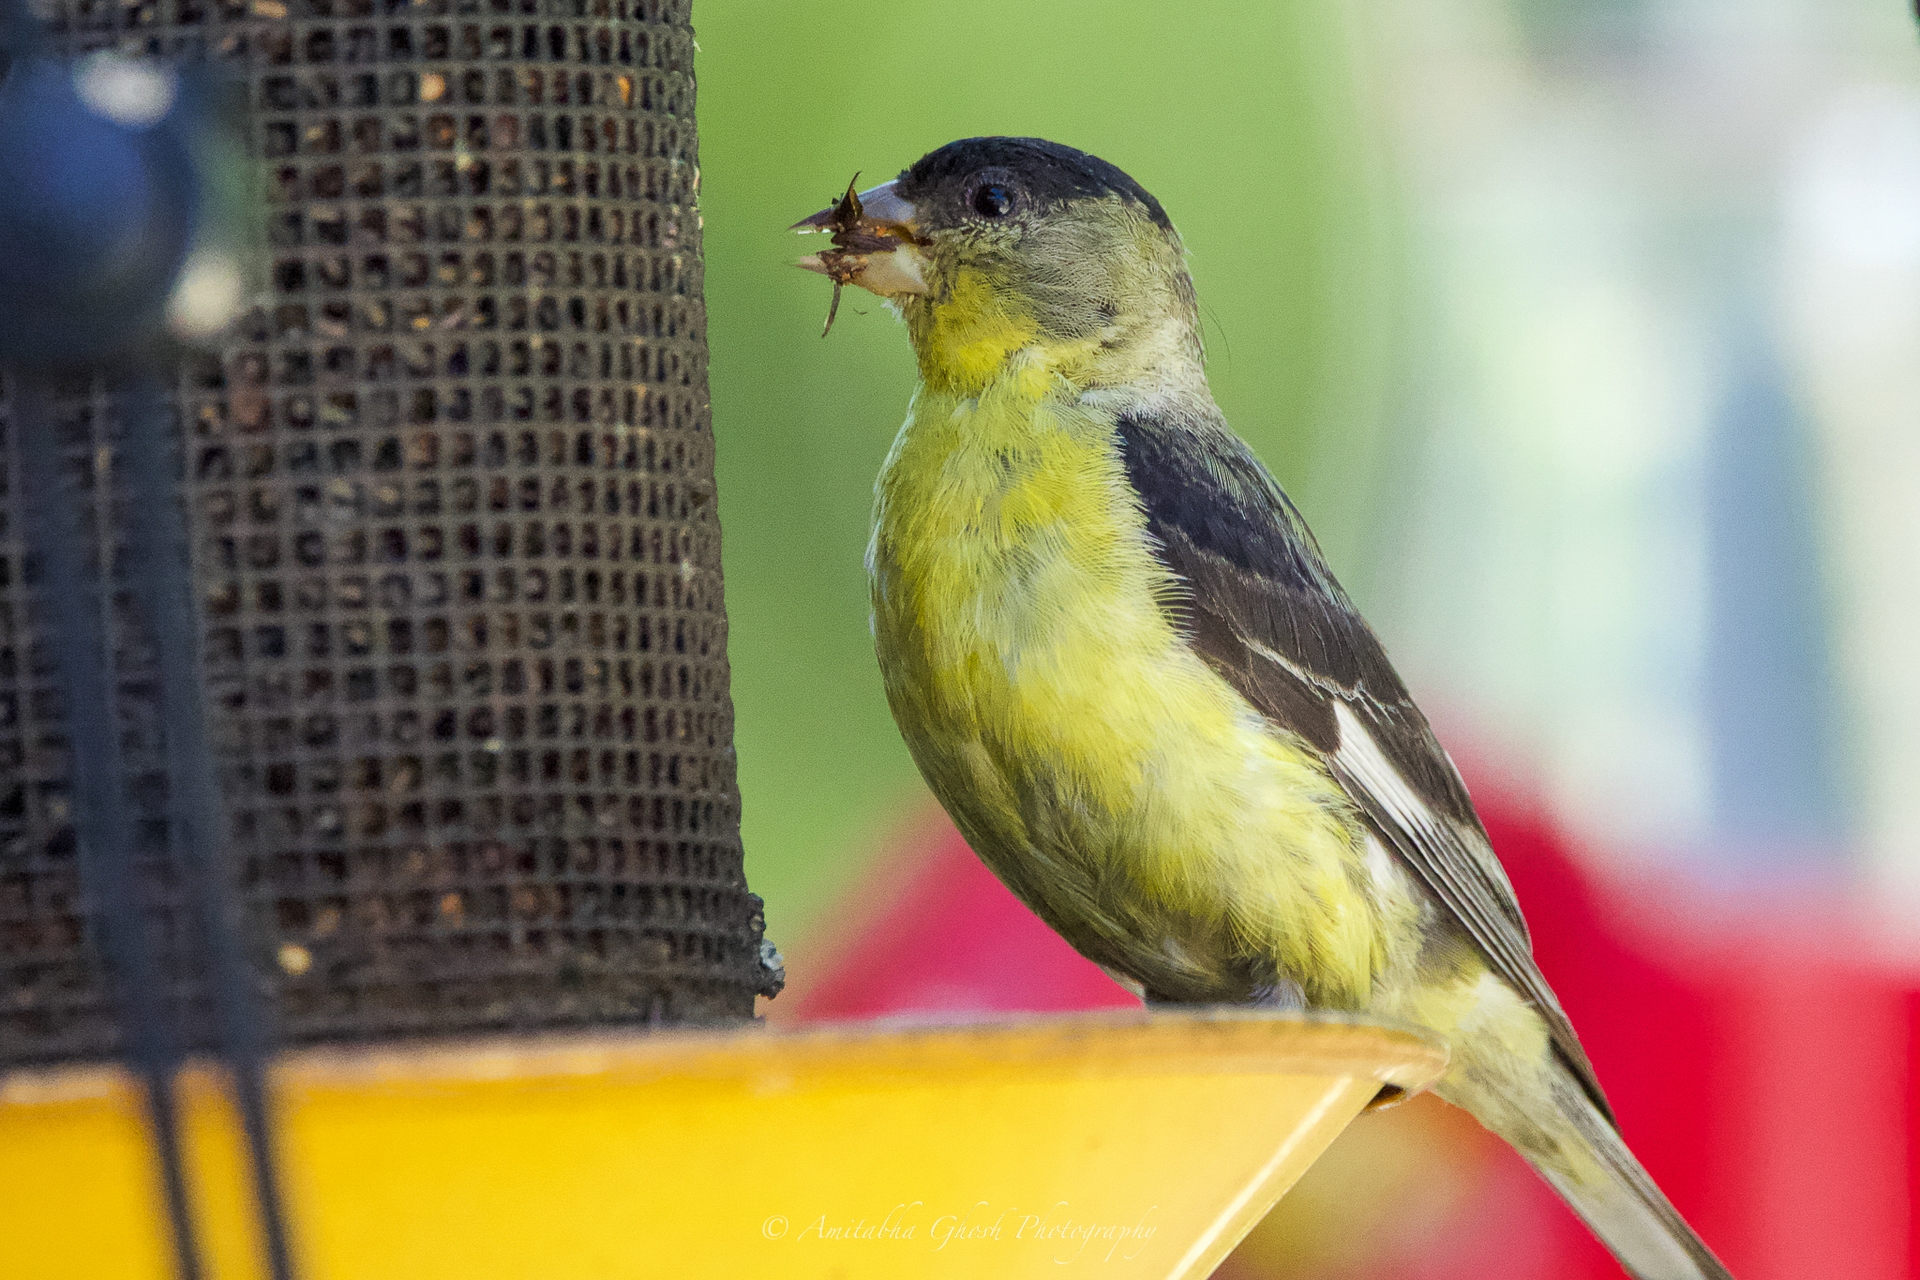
{"x": 900, "y": 270}
{"x": 875, "y": 244}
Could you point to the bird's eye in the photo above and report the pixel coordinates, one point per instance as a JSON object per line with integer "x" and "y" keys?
{"x": 993, "y": 200}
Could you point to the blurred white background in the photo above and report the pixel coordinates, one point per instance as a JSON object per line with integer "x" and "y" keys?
{"x": 1660, "y": 397}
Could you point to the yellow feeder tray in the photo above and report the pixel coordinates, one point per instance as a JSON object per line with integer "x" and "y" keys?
{"x": 1141, "y": 1143}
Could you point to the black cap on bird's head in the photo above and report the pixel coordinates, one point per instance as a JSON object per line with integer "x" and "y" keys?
{"x": 984, "y": 191}
{"x": 994, "y": 178}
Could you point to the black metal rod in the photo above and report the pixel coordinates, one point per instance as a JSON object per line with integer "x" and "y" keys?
{"x": 163, "y": 580}
{"x": 75, "y": 598}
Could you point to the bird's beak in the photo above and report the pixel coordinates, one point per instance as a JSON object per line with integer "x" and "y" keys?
{"x": 876, "y": 242}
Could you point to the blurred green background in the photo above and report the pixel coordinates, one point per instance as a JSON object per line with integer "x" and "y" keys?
{"x": 1243, "y": 118}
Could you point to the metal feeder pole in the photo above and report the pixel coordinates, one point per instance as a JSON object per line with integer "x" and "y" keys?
{"x": 59, "y": 533}
{"x": 164, "y": 586}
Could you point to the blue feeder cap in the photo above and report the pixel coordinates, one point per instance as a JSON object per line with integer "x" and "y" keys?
{"x": 97, "y": 211}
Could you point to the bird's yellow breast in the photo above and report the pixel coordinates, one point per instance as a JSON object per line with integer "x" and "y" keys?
{"x": 1124, "y": 790}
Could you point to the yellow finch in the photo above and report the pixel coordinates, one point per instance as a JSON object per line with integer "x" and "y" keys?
{"x": 1117, "y": 656}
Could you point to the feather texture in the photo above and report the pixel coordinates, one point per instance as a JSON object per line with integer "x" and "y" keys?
{"x": 1259, "y": 604}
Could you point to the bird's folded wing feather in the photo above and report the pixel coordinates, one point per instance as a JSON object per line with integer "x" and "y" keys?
{"x": 1260, "y": 606}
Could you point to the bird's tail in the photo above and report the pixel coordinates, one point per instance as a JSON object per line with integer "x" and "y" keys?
{"x": 1583, "y": 1156}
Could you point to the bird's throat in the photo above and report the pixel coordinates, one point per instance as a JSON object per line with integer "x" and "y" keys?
{"x": 975, "y": 334}
{"x": 966, "y": 334}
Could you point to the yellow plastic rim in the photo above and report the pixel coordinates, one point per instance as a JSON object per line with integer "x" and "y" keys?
{"x": 1146, "y": 1141}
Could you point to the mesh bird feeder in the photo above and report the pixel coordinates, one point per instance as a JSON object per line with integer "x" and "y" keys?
{"x": 450, "y": 489}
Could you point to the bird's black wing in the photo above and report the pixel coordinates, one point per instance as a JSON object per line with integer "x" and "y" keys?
{"x": 1258, "y": 604}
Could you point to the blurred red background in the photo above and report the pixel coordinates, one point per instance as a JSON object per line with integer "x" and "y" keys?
{"x": 1763, "y": 1071}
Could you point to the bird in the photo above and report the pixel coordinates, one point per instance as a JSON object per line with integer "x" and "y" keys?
{"x": 1117, "y": 655}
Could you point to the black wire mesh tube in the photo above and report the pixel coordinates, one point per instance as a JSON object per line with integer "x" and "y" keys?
{"x": 453, "y": 541}
{"x": 71, "y": 596}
